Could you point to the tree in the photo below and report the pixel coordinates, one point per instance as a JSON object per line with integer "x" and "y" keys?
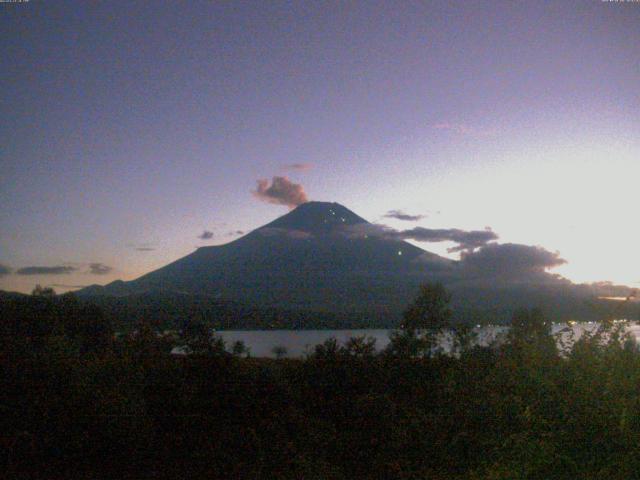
{"x": 201, "y": 340}
{"x": 362, "y": 346}
{"x": 531, "y": 329}
{"x": 427, "y": 315}
{"x": 93, "y": 328}
{"x": 358, "y": 347}
{"x": 328, "y": 350}
{"x": 239, "y": 348}
{"x": 529, "y": 325}
{"x": 279, "y": 351}
{"x": 40, "y": 291}
{"x": 430, "y": 310}
{"x": 404, "y": 343}
{"x": 463, "y": 337}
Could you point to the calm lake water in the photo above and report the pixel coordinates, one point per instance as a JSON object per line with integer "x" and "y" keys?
{"x": 299, "y": 342}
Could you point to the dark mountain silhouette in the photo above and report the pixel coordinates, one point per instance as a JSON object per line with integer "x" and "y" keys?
{"x": 320, "y": 258}
{"x": 311, "y": 258}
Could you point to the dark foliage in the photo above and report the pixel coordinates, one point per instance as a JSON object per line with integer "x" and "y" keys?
{"x": 77, "y": 402}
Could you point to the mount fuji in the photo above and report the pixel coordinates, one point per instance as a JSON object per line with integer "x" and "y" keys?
{"x": 323, "y": 259}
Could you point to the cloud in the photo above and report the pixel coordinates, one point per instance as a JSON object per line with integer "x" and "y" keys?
{"x": 281, "y": 192}
{"x": 4, "y": 270}
{"x": 400, "y": 215}
{"x": 142, "y": 247}
{"x": 300, "y": 167}
{"x": 483, "y": 263}
{"x": 497, "y": 265}
{"x": 510, "y": 259}
{"x": 99, "y": 269}
{"x": 57, "y": 270}
{"x": 466, "y": 239}
{"x": 235, "y": 232}
{"x": 206, "y": 235}
{"x": 462, "y": 129}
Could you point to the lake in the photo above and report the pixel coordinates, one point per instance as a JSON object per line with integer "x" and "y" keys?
{"x": 299, "y": 342}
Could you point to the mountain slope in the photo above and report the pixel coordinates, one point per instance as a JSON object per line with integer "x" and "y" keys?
{"x": 314, "y": 257}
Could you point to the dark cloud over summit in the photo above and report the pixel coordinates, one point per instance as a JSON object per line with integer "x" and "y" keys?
{"x": 205, "y": 235}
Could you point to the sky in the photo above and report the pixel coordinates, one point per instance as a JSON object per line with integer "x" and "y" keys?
{"x": 135, "y": 132}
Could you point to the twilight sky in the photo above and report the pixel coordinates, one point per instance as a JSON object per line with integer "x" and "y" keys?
{"x": 134, "y": 131}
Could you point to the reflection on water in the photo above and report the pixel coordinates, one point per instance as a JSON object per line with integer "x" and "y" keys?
{"x": 299, "y": 342}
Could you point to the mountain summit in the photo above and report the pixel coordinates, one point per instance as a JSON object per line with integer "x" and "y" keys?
{"x": 317, "y": 217}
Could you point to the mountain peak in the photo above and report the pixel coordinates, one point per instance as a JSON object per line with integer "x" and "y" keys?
{"x": 317, "y": 217}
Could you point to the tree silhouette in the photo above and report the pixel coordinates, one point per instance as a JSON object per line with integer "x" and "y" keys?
{"x": 279, "y": 351}
{"x": 239, "y": 349}
{"x": 427, "y": 315}
{"x": 430, "y": 310}
{"x": 201, "y": 340}
{"x": 40, "y": 291}
{"x": 529, "y": 325}
{"x": 362, "y": 346}
{"x": 531, "y": 330}
{"x": 327, "y": 350}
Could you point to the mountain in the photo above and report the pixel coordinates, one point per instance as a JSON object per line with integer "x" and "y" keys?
{"x": 317, "y": 257}
{"x": 321, "y": 260}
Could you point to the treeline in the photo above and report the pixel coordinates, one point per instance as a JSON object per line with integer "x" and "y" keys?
{"x": 472, "y": 306}
{"x": 170, "y": 310}
{"x": 76, "y": 401}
